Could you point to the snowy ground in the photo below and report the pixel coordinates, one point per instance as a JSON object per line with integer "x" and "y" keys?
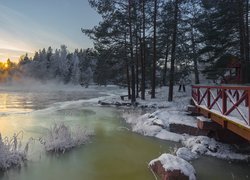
{"x": 160, "y": 113}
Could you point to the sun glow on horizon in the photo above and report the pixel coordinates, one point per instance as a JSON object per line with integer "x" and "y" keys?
{"x": 13, "y": 55}
{"x": 4, "y": 58}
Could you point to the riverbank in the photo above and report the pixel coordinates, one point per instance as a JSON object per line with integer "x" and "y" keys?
{"x": 155, "y": 117}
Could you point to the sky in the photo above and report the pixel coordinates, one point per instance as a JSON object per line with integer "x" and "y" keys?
{"x": 29, "y": 25}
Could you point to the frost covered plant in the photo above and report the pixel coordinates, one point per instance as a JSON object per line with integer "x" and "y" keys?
{"x": 11, "y": 152}
{"x": 61, "y": 138}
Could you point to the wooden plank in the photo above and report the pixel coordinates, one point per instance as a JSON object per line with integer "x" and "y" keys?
{"x": 207, "y": 124}
{"x": 237, "y": 128}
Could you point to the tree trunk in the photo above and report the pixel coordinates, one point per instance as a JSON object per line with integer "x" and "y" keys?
{"x": 171, "y": 77}
{"x": 164, "y": 79}
{"x": 155, "y": 57}
{"x": 132, "y": 64}
{"x": 143, "y": 60}
{"x": 127, "y": 67}
{"x": 137, "y": 67}
{"x": 247, "y": 40}
{"x": 128, "y": 81}
{"x": 242, "y": 40}
{"x": 137, "y": 59}
{"x": 196, "y": 71}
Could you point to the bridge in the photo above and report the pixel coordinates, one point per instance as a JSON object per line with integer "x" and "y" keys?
{"x": 228, "y": 106}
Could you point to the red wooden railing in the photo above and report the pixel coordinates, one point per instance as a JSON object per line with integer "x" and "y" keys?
{"x": 233, "y": 101}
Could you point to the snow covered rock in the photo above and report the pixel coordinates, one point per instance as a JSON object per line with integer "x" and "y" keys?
{"x": 169, "y": 167}
{"x": 201, "y": 144}
{"x": 186, "y": 154}
{"x": 204, "y": 145}
{"x": 166, "y": 135}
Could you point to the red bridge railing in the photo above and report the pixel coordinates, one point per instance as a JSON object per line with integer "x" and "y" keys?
{"x": 233, "y": 101}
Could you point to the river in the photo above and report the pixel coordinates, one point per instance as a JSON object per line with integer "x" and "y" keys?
{"x": 114, "y": 153}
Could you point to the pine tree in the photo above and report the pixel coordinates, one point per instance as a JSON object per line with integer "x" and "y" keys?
{"x": 173, "y": 55}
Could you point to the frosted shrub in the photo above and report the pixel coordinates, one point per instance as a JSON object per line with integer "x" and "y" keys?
{"x": 61, "y": 138}
{"x": 11, "y": 152}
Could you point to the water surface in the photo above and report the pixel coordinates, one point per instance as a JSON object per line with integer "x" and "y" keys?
{"x": 113, "y": 153}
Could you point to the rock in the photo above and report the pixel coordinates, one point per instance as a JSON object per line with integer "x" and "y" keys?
{"x": 168, "y": 175}
{"x": 170, "y": 167}
{"x": 158, "y": 122}
{"x": 103, "y": 103}
{"x": 181, "y": 129}
{"x": 186, "y": 154}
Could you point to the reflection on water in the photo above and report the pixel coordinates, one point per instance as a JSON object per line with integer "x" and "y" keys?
{"x": 114, "y": 153}
{"x": 28, "y": 101}
{"x": 14, "y": 103}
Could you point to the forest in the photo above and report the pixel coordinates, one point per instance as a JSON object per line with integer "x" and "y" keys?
{"x": 142, "y": 44}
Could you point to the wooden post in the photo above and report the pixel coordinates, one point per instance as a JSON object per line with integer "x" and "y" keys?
{"x": 198, "y": 96}
{"x": 237, "y": 95}
{"x": 248, "y": 98}
{"x": 224, "y": 101}
{"x": 208, "y": 98}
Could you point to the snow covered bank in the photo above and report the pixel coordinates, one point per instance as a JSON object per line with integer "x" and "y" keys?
{"x": 61, "y": 138}
{"x": 159, "y": 102}
{"x": 12, "y": 153}
{"x": 157, "y": 124}
{"x": 174, "y": 167}
{"x": 202, "y": 145}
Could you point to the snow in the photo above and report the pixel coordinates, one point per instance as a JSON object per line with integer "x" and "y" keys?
{"x": 166, "y": 135}
{"x": 11, "y": 152}
{"x": 186, "y": 154}
{"x": 203, "y": 119}
{"x": 61, "y": 138}
{"x": 157, "y": 123}
{"x": 171, "y": 163}
{"x": 202, "y": 145}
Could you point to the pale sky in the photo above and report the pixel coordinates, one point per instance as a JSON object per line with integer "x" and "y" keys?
{"x": 30, "y": 25}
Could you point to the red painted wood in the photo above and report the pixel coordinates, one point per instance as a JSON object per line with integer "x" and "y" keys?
{"x": 216, "y": 101}
{"x": 224, "y": 101}
{"x": 208, "y": 97}
{"x": 248, "y": 97}
{"x": 237, "y": 95}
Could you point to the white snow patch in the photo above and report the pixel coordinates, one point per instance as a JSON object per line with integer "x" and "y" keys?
{"x": 186, "y": 154}
{"x": 205, "y": 145}
{"x": 11, "y": 151}
{"x": 203, "y": 119}
{"x": 61, "y": 138}
{"x": 166, "y": 135}
{"x": 171, "y": 162}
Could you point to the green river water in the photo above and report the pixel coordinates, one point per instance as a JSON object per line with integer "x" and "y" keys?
{"x": 114, "y": 153}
